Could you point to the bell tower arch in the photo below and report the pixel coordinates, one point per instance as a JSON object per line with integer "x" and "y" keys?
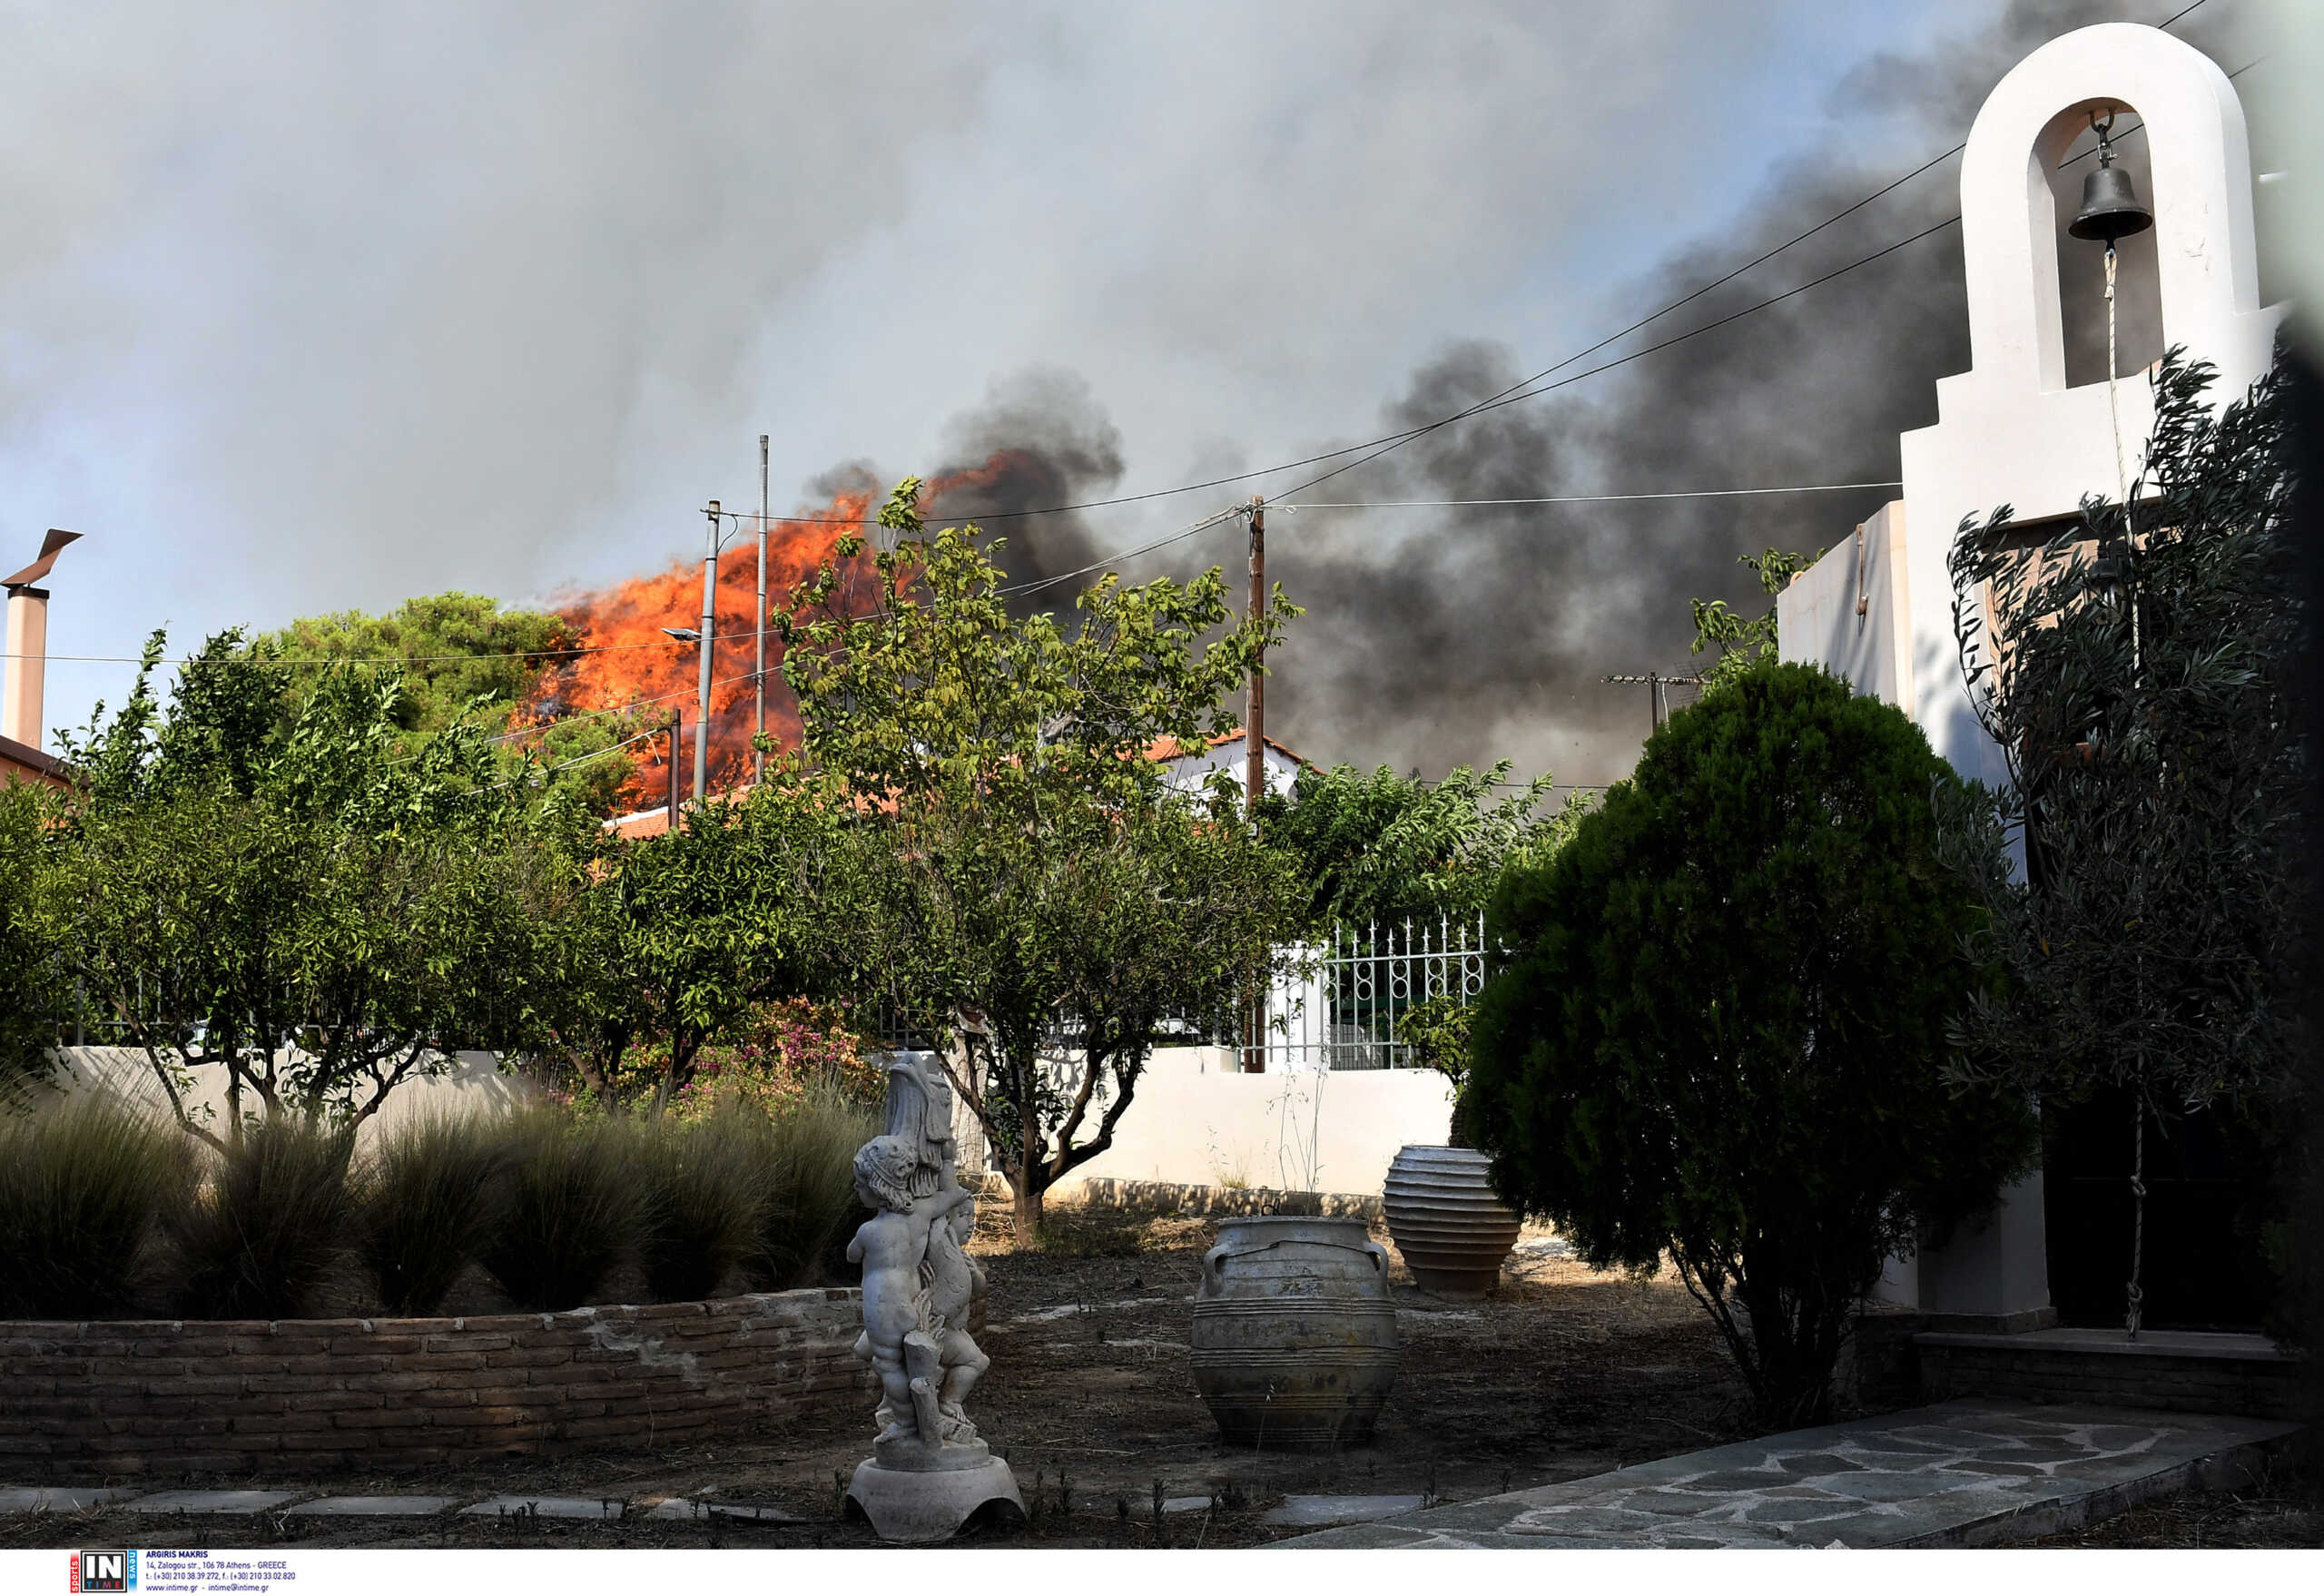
{"x": 2010, "y": 430}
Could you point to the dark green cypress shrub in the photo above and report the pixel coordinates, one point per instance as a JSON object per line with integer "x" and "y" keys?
{"x": 1722, "y": 1034}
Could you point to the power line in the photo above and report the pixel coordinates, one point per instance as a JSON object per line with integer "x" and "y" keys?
{"x": 589, "y": 715}
{"x": 566, "y": 764}
{"x": 1506, "y": 396}
{"x": 1395, "y": 439}
{"x": 1411, "y": 504}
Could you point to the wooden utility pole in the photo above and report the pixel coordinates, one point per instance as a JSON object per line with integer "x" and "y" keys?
{"x": 1255, "y": 741}
{"x": 758, "y": 638}
{"x": 1254, "y": 769}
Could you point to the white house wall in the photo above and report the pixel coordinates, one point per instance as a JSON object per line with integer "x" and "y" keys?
{"x": 1818, "y": 620}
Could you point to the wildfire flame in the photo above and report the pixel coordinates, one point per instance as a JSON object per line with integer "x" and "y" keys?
{"x": 636, "y": 667}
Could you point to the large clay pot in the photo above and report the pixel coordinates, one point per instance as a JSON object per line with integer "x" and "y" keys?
{"x": 1295, "y": 1339}
{"x": 1452, "y": 1229}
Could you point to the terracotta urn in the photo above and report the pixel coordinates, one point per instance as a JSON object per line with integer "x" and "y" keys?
{"x": 1452, "y": 1229}
{"x": 1294, "y": 1338}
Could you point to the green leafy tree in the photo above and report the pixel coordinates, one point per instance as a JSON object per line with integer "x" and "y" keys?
{"x": 2136, "y": 678}
{"x": 466, "y": 662}
{"x": 1378, "y": 848}
{"x": 665, "y": 942}
{"x": 1034, "y": 879}
{"x": 33, "y": 977}
{"x": 297, "y": 906}
{"x": 1720, "y": 1034}
{"x": 1746, "y": 641}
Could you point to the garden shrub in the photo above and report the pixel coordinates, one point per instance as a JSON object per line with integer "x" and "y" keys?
{"x": 571, "y": 1201}
{"x": 83, "y": 1178}
{"x": 429, "y": 1202}
{"x": 272, "y": 1218}
{"x": 1721, "y": 1032}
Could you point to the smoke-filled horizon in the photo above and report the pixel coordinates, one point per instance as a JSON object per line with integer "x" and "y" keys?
{"x": 1443, "y": 636}
{"x": 496, "y": 313}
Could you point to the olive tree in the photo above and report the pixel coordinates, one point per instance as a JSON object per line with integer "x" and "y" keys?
{"x": 1039, "y": 887}
{"x": 2136, "y": 675}
{"x": 1720, "y": 1034}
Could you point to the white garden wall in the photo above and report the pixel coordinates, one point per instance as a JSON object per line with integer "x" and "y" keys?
{"x": 472, "y": 1084}
{"x": 1197, "y": 1120}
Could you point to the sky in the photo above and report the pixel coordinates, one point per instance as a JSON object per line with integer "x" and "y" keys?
{"x": 306, "y": 307}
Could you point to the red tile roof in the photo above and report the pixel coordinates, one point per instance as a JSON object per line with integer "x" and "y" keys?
{"x": 21, "y": 762}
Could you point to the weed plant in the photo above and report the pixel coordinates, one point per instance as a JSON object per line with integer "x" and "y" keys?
{"x": 571, "y": 1201}
{"x": 430, "y": 1201}
{"x": 272, "y": 1220}
{"x": 83, "y": 1178}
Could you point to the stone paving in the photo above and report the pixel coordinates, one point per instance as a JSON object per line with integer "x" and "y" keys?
{"x": 1969, "y": 1472}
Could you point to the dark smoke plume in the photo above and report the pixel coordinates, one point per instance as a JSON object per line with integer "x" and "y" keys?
{"x": 1437, "y": 638}
{"x": 1039, "y": 439}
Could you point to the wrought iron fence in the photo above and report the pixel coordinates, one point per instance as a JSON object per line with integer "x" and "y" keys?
{"x": 1343, "y": 1003}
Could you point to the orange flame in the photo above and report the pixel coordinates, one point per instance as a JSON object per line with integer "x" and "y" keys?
{"x": 635, "y": 667}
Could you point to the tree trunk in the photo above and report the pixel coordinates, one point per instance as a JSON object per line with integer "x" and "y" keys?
{"x": 1027, "y": 1180}
{"x": 1028, "y": 1209}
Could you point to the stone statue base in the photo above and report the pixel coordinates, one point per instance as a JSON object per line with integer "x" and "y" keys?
{"x": 915, "y": 1506}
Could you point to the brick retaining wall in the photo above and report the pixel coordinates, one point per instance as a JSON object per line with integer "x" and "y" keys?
{"x": 309, "y": 1395}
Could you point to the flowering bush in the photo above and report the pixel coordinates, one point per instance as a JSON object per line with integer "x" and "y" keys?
{"x": 771, "y": 1060}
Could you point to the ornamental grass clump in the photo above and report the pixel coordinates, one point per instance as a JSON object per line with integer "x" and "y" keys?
{"x": 810, "y": 1158}
{"x": 83, "y": 1180}
{"x": 429, "y": 1202}
{"x": 708, "y": 1184}
{"x": 271, "y": 1222}
{"x": 571, "y": 1202}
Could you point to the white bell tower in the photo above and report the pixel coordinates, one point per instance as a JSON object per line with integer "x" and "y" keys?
{"x": 2010, "y": 431}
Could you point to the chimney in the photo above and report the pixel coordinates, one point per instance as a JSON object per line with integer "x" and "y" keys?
{"x": 20, "y": 698}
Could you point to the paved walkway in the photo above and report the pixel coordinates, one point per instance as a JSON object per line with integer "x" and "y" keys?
{"x": 1971, "y": 1472}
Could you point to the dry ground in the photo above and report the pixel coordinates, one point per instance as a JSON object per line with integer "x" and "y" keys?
{"x": 2281, "y": 1511}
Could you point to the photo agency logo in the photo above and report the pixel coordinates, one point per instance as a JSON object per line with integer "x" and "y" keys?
{"x": 104, "y": 1571}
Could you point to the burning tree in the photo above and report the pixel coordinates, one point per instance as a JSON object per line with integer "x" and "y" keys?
{"x": 1034, "y": 877}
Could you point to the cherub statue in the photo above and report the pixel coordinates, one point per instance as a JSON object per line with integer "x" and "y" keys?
{"x": 916, "y": 1286}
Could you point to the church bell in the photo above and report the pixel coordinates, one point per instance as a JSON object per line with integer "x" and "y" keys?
{"x": 2110, "y": 205}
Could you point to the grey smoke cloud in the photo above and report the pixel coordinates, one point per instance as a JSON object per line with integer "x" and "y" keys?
{"x": 304, "y": 308}
{"x": 1443, "y": 636}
